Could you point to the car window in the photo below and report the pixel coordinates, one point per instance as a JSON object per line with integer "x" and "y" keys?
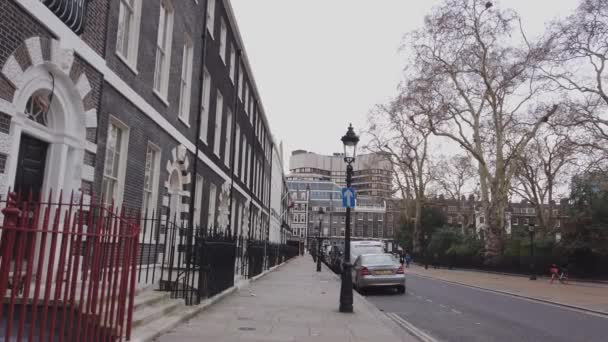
{"x": 383, "y": 259}
{"x": 367, "y": 250}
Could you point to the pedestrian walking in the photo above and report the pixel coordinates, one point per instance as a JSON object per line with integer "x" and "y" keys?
{"x": 408, "y": 260}
{"x": 554, "y": 272}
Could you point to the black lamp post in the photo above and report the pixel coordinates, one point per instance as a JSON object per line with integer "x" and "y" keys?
{"x": 319, "y": 238}
{"x": 350, "y": 141}
{"x": 531, "y": 229}
{"x": 425, "y": 253}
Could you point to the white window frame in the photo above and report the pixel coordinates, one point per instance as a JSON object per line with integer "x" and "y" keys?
{"x": 186, "y": 81}
{"x": 240, "y": 91}
{"x": 204, "y": 111}
{"x": 219, "y": 111}
{"x": 212, "y": 206}
{"x": 228, "y": 139}
{"x": 223, "y": 43}
{"x": 198, "y": 201}
{"x": 237, "y": 147}
{"x": 129, "y": 57}
{"x": 211, "y": 17}
{"x": 164, "y": 42}
{"x": 249, "y": 158}
{"x": 232, "y": 62}
{"x": 244, "y": 159}
{"x": 150, "y": 195}
{"x": 119, "y": 179}
{"x": 246, "y": 98}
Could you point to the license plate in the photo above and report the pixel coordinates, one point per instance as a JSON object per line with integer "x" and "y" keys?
{"x": 383, "y": 272}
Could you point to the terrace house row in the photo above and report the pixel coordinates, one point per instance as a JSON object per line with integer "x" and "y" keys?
{"x": 148, "y": 102}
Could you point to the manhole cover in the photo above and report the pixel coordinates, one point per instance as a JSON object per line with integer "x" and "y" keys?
{"x": 247, "y": 328}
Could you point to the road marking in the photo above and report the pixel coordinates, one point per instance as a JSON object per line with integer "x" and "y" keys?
{"x": 520, "y": 297}
{"x": 428, "y": 300}
{"x": 443, "y": 306}
{"x": 456, "y": 311}
{"x": 421, "y": 335}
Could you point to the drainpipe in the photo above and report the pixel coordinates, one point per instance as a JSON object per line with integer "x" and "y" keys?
{"x": 233, "y": 138}
{"x": 251, "y": 180}
{"x": 269, "y": 187}
{"x": 198, "y": 131}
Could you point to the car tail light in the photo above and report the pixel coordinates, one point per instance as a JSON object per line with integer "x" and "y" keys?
{"x": 400, "y": 270}
{"x": 365, "y": 271}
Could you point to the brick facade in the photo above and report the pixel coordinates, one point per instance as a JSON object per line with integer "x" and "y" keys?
{"x": 25, "y": 41}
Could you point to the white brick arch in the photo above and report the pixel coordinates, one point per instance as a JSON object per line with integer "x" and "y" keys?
{"x": 41, "y": 64}
{"x": 177, "y": 185}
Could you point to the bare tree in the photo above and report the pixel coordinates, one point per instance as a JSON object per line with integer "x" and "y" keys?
{"x": 474, "y": 80}
{"x": 453, "y": 173}
{"x": 578, "y": 65}
{"x": 541, "y": 169}
{"x": 407, "y": 147}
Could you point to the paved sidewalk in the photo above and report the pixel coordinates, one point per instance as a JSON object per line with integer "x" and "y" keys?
{"x": 589, "y": 296}
{"x": 293, "y": 303}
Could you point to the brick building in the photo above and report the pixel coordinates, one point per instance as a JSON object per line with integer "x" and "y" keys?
{"x": 372, "y": 175}
{"x": 147, "y": 112}
{"x": 370, "y": 219}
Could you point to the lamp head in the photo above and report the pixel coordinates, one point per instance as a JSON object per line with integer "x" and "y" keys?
{"x": 350, "y": 140}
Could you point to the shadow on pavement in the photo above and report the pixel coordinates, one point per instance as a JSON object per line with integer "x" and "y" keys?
{"x": 380, "y": 291}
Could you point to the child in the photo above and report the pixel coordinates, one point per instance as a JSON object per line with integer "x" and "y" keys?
{"x": 554, "y": 272}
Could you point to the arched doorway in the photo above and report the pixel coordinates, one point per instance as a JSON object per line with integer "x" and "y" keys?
{"x": 175, "y": 200}
{"x": 47, "y": 139}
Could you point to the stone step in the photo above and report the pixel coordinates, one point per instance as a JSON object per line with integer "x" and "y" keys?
{"x": 149, "y": 298}
{"x": 149, "y": 314}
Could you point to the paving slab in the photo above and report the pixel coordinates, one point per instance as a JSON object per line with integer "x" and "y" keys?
{"x": 293, "y": 303}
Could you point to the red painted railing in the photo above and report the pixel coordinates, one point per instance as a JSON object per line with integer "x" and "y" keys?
{"x": 67, "y": 270}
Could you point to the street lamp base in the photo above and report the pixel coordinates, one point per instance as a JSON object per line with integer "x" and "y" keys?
{"x": 346, "y": 289}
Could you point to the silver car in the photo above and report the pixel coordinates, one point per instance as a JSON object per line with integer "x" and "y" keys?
{"x": 375, "y": 270}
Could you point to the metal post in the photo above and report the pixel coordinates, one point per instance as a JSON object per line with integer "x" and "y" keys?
{"x": 346, "y": 287}
{"x": 532, "y": 273}
{"x": 319, "y": 239}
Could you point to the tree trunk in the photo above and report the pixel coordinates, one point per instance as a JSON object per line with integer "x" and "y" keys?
{"x": 417, "y": 234}
{"x": 495, "y": 231}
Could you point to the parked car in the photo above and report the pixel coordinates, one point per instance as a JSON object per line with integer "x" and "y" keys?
{"x": 378, "y": 270}
{"x": 365, "y": 247}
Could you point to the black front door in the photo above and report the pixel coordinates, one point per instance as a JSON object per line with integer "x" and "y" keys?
{"x": 30, "y": 166}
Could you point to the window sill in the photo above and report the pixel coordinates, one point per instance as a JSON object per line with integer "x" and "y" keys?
{"x": 161, "y": 97}
{"x": 184, "y": 121}
{"x": 130, "y": 65}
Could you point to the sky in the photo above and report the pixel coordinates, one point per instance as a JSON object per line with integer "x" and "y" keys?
{"x": 322, "y": 64}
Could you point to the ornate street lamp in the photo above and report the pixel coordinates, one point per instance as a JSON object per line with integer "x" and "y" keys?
{"x": 531, "y": 229}
{"x": 350, "y": 141}
{"x": 321, "y": 213}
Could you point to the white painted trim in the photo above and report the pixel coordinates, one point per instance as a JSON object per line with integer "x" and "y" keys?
{"x": 160, "y": 97}
{"x": 131, "y": 67}
{"x": 70, "y": 40}
{"x": 133, "y": 38}
{"x": 181, "y": 119}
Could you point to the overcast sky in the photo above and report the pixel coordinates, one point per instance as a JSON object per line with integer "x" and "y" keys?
{"x": 320, "y": 64}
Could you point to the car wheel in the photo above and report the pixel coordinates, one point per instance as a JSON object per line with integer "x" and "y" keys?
{"x": 401, "y": 289}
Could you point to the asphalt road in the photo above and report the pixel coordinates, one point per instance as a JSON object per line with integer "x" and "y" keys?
{"x": 450, "y": 312}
